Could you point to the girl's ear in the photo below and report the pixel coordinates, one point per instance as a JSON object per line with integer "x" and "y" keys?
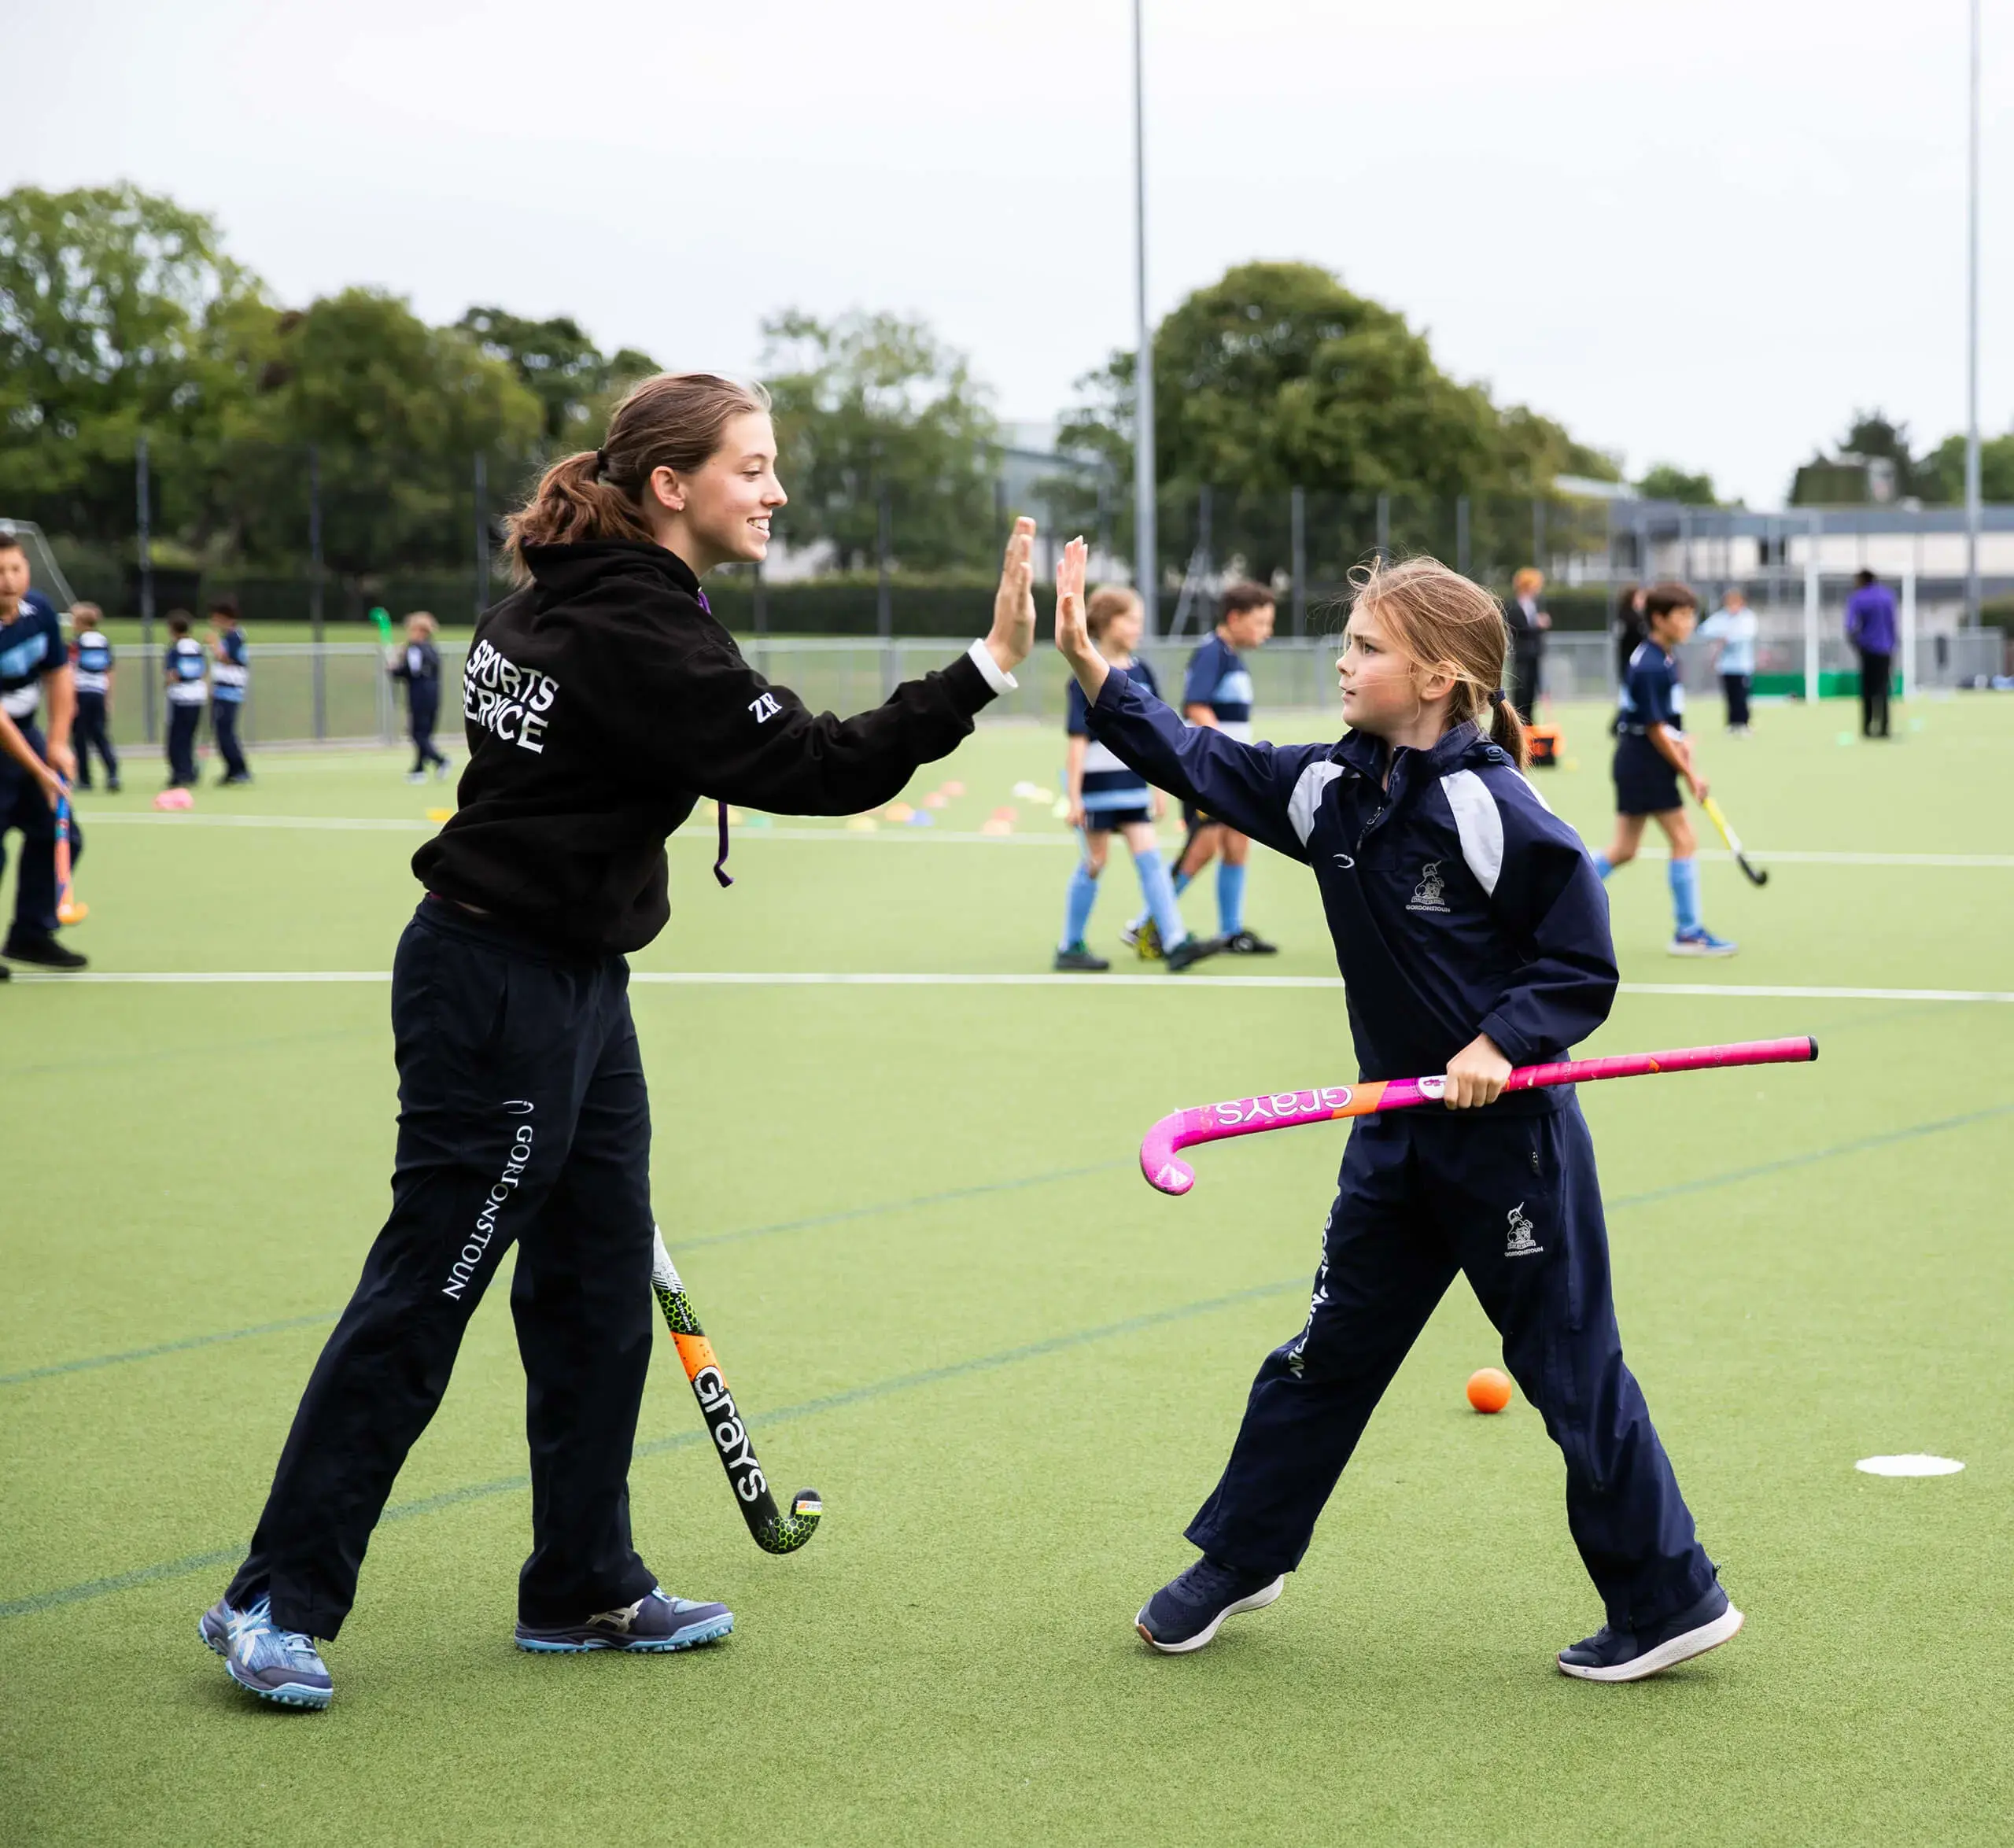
{"x": 668, "y": 490}
{"x": 1437, "y": 682}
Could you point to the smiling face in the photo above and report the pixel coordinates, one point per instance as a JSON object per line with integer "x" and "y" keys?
{"x": 722, "y": 508}
{"x": 1383, "y": 691}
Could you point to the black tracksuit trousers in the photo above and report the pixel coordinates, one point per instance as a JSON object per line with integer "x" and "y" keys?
{"x": 522, "y": 1119}
{"x": 1513, "y": 1201}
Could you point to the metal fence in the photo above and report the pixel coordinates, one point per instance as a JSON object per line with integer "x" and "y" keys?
{"x": 340, "y": 692}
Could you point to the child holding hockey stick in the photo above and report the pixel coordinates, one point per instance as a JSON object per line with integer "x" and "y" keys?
{"x": 603, "y": 701}
{"x": 1652, "y": 753}
{"x": 1472, "y": 936}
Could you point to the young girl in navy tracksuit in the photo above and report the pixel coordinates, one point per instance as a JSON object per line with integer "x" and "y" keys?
{"x": 1473, "y": 935}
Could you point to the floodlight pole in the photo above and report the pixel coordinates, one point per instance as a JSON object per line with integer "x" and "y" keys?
{"x": 1146, "y": 576}
{"x": 143, "y": 512}
{"x": 1972, "y": 341}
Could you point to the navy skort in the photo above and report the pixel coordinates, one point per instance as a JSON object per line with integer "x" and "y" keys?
{"x": 1645, "y": 782}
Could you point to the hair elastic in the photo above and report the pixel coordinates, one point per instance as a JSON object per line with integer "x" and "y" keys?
{"x": 601, "y": 464}
{"x": 1497, "y": 695}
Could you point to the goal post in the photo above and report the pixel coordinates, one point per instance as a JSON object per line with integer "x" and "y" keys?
{"x": 44, "y": 574}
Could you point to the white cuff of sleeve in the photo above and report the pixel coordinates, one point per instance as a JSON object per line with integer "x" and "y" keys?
{"x": 997, "y": 677}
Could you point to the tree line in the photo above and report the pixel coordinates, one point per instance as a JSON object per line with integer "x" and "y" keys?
{"x": 122, "y": 316}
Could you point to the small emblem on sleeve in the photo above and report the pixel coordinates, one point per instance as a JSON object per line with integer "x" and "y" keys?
{"x": 765, "y": 708}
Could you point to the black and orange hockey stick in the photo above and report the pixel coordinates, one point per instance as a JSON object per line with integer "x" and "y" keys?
{"x": 773, "y": 1532}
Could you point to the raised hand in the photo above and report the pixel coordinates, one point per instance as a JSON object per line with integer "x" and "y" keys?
{"x": 1073, "y": 635}
{"x": 1013, "y": 632}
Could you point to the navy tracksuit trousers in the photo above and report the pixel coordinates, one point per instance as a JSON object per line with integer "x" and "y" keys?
{"x": 423, "y": 706}
{"x": 224, "y": 715}
{"x": 522, "y": 1119}
{"x": 182, "y": 724}
{"x": 23, "y": 806}
{"x": 93, "y": 733}
{"x": 1513, "y": 1201}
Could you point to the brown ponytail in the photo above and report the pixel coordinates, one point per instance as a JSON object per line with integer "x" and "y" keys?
{"x": 1445, "y": 622}
{"x": 676, "y": 420}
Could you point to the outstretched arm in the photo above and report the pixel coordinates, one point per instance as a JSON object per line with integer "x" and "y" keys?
{"x": 1250, "y": 786}
{"x": 740, "y": 739}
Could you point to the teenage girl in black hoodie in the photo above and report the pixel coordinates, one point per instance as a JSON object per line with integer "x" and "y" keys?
{"x": 603, "y": 702}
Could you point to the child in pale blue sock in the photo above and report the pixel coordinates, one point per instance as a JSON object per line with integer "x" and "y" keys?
{"x": 1652, "y": 753}
{"x": 1106, "y": 798}
{"x": 1217, "y": 692}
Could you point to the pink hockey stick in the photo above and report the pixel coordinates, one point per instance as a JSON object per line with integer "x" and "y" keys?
{"x": 1247, "y": 1116}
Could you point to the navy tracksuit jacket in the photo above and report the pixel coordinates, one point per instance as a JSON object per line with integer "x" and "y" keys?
{"x": 1459, "y": 904}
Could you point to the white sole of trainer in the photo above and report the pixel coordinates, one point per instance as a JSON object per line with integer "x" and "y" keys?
{"x": 1675, "y": 948}
{"x": 1258, "y": 1601}
{"x": 1668, "y": 1655}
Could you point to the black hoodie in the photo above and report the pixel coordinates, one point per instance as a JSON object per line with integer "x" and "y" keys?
{"x": 602, "y": 701}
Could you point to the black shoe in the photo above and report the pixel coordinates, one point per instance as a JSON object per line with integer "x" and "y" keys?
{"x": 6, "y": 974}
{"x": 1245, "y": 943}
{"x": 1079, "y": 960}
{"x": 654, "y": 1625}
{"x": 112, "y": 788}
{"x": 1187, "y": 1613}
{"x": 21, "y": 946}
{"x": 1190, "y": 950}
{"x": 1611, "y": 1654}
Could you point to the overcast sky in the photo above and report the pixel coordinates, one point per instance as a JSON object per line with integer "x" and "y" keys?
{"x": 1699, "y": 232}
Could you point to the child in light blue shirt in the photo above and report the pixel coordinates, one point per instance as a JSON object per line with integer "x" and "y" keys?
{"x": 1733, "y": 628}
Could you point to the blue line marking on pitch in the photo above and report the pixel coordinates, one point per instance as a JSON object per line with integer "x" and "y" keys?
{"x": 327, "y": 1315}
{"x": 100, "y": 1588}
{"x": 929, "y": 1376}
{"x": 180, "y": 1347}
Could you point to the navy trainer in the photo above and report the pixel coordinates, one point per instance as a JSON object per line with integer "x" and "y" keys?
{"x": 651, "y": 1626}
{"x": 1611, "y": 1654}
{"x": 282, "y": 1666}
{"x": 1187, "y": 1613}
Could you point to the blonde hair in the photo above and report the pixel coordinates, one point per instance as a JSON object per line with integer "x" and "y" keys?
{"x": 1443, "y": 622}
{"x": 1530, "y": 577}
{"x": 425, "y": 616}
{"x": 1106, "y": 604}
{"x": 676, "y": 420}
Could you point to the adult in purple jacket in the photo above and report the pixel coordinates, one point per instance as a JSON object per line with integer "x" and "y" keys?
{"x": 1871, "y": 628}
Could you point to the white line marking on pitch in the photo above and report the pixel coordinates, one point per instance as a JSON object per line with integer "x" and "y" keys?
{"x": 961, "y": 837}
{"x": 904, "y": 978}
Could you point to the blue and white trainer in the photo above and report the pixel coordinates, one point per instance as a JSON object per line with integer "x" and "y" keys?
{"x": 1702, "y": 941}
{"x": 1188, "y": 1611}
{"x": 1611, "y": 1654}
{"x": 282, "y": 1666}
{"x": 652, "y": 1625}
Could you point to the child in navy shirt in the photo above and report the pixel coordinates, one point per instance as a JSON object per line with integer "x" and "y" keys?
{"x": 188, "y": 692}
{"x": 1217, "y": 692}
{"x": 91, "y": 668}
{"x": 1106, "y": 796}
{"x": 231, "y": 682}
{"x": 1652, "y": 753}
{"x": 1472, "y": 936}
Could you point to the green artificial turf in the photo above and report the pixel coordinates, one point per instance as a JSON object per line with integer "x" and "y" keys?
{"x": 910, "y": 1218}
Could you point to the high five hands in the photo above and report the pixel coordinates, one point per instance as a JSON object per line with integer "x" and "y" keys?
{"x": 1073, "y": 635}
{"x": 1013, "y": 632}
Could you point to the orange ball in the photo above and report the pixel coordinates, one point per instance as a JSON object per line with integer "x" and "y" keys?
{"x": 1489, "y": 1388}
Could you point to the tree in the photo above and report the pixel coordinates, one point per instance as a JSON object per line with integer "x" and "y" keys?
{"x": 1277, "y": 376}
{"x": 573, "y": 379}
{"x": 873, "y": 402}
{"x": 119, "y": 312}
{"x": 1666, "y": 481}
{"x": 1941, "y": 474}
{"x": 395, "y": 411}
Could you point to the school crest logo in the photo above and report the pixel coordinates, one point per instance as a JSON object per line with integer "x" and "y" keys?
{"x": 1518, "y": 1240}
{"x": 1431, "y": 893}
